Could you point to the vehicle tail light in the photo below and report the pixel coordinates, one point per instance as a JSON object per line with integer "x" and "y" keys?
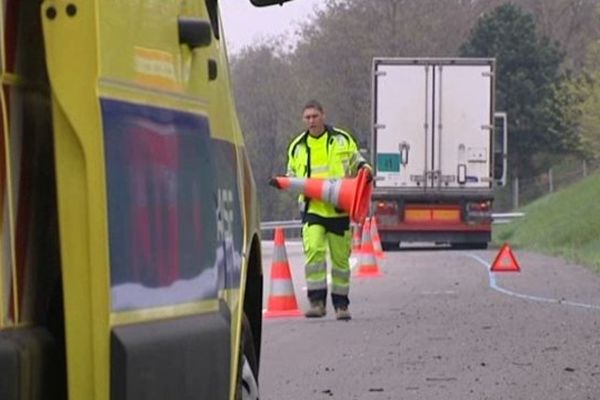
{"x": 480, "y": 210}
{"x": 387, "y": 213}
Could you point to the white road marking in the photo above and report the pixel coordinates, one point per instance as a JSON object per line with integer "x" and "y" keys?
{"x": 494, "y": 285}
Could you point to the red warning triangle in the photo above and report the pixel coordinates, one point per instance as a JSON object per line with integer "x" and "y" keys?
{"x": 505, "y": 261}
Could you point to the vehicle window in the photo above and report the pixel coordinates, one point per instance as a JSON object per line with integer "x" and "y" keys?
{"x": 171, "y": 207}
{"x": 158, "y": 206}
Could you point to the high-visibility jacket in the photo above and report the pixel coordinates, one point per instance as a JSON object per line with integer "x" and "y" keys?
{"x": 333, "y": 155}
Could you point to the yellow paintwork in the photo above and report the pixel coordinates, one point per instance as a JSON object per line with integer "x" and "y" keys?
{"x": 72, "y": 61}
{"x": 125, "y": 50}
{"x": 180, "y": 310}
{"x": 151, "y": 96}
{"x": 4, "y": 319}
{"x": 7, "y": 79}
{"x": 11, "y": 259}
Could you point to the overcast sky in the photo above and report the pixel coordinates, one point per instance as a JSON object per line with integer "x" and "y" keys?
{"x": 245, "y": 24}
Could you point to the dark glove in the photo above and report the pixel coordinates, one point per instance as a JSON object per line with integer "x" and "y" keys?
{"x": 274, "y": 182}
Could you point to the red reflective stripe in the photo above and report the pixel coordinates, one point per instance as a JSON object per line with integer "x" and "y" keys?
{"x": 279, "y": 237}
{"x": 313, "y": 188}
{"x": 369, "y": 270}
{"x": 282, "y": 303}
{"x": 367, "y": 247}
{"x": 368, "y": 267}
{"x": 280, "y": 270}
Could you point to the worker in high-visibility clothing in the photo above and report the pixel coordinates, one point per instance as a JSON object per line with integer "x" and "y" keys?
{"x": 322, "y": 151}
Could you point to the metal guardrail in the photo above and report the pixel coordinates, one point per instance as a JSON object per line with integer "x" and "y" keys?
{"x": 497, "y": 218}
{"x": 505, "y": 218}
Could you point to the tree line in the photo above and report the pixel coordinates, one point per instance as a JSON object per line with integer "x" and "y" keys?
{"x": 548, "y": 75}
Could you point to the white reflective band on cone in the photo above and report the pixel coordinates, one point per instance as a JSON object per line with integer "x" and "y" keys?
{"x": 281, "y": 287}
{"x": 331, "y": 191}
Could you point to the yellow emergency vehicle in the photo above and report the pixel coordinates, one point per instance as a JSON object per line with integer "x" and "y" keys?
{"x": 130, "y": 263}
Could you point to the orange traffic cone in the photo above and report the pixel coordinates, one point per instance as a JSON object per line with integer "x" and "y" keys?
{"x": 356, "y": 239}
{"x": 282, "y": 300}
{"x": 368, "y": 264}
{"x": 378, "y": 250}
{"x": 352, "y": 195}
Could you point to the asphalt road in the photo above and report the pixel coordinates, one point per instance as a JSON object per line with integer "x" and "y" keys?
{"x": 438, "y": 325}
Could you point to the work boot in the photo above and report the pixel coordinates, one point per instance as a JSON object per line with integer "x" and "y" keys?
{"x": 317, "y": 310}
{"x": 342, "y": 314}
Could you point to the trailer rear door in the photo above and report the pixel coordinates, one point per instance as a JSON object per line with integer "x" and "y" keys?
{"x": 432, "y": 123}
{"x": 402, "y": 132}
{"x": 462, "y": 130}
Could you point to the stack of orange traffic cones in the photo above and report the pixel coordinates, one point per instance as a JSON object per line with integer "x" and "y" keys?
{"x": 367, "y": 266}
{"x": 375, "y": 239}
{"x": 282, "y": 300}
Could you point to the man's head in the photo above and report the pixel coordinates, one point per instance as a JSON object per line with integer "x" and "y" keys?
{"x": 314, "y": 118}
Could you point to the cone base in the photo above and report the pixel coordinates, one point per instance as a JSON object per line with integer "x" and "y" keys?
{"x": 281, "y": 313}
{"x": 282, "y": 306}
{"x": 369, "y": 273}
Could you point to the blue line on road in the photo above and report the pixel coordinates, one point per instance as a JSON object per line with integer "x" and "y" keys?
{"x": 494, "y": 285}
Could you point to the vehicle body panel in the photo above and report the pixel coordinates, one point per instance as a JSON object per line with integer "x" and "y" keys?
{"x": 155, "y": 220}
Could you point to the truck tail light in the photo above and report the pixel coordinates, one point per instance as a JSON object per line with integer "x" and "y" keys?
{"x": 387, "y": 213}
{"x": 479, "y": 206}
{"x": 479, "y": 211}
{"x": 386, "y": 207}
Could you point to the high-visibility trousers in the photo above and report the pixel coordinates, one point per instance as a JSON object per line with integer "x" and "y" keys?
{"x": 316, "y": 241}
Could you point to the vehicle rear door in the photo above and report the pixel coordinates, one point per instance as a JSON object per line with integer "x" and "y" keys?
{"x": 402, "y": 129}
{"x": 462, "y": 125}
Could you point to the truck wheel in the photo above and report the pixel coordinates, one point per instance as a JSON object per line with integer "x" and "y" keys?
{"x": 390, "y": 246}
{"x": 247, "y": 386}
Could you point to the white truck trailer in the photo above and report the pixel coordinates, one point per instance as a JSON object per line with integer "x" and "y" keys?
{"x": 439, "y": 150}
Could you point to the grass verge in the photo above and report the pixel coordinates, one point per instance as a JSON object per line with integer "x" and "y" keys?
{"x": 566, "y": 224}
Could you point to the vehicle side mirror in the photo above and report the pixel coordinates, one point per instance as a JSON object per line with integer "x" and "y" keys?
{"x": 194, "y": 32}
{"x": 263, "y": 3}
